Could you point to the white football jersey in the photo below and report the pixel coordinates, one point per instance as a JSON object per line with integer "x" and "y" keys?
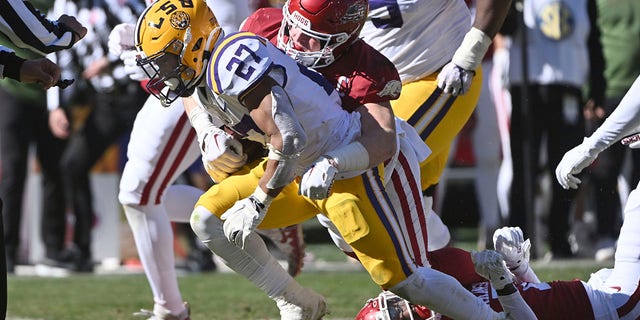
{"x": 241, "y": 60}
{"x": 418, "y": 36}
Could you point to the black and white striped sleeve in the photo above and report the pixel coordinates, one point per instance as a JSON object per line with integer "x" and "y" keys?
{"x": 26, "y": 27}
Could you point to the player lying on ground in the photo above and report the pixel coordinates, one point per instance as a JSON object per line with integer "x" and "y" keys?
{"x": 508, "y": 283}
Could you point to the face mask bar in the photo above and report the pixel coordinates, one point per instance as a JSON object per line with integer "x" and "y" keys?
{"x": 168, "y": 78}
{"x": 312, "y": 59}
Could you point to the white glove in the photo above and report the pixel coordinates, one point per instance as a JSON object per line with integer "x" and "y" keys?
{"x": 121, "y": 38}
{"x": 222, "y": 154}
{"x": 455, "y": 80}
{"x": 243, "y": 218}
{"x": 490, "y": 265}
{"x": 317, "y": 181}
{"x": 131, "y": 66}
{"x": 510, "y": 243}
{"x": 572, "y": 164}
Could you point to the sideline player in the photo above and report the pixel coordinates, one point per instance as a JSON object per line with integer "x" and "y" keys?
{"x": 240, "y": 69}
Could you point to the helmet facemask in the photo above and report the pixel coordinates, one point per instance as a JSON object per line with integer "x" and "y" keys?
{"x": 388, "y": 306}
{"x": 328, "y": 42}
{"x": 168, "y": 78}
{"x": 175, "y": 42}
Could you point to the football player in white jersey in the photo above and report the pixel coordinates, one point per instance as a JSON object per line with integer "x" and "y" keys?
{"x": 437, "y": 53}
{"x": 163, "y": 145}
{"x": 263, "y": 95}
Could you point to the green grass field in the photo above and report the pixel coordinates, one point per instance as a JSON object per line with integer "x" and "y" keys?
{"x": 223, "y": 296}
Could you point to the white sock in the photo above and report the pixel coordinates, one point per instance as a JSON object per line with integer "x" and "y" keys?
{"x": 154, "y": 241}
{"x": 254, "y": 262}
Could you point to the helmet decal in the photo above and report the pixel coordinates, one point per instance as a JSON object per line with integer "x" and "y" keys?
{"x": 180, "y": 20}
{"x": 301, "y": 19}
{"x": 355, "y": 13}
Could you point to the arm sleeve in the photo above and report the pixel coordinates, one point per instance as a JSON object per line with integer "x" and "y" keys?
{"x": 10, "y": 64}
{"x": 26, "y": 27}
{"x": 623, "y": 121}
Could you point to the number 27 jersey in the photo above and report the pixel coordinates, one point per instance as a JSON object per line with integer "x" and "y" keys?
{"x": 242, "y": 60}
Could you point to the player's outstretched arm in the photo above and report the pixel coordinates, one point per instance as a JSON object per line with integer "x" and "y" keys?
{"x": 622, "y": 122}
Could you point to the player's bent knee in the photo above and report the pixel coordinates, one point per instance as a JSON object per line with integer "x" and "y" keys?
{"x": 205, "y": 224}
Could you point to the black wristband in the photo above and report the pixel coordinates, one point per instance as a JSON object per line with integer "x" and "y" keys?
{"x": 12, "y": 65}
{"x": 507, "y": 290}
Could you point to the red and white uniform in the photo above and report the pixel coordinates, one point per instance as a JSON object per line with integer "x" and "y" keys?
{"x": 597, "y": 299}
{"x": 163, "y": 145}
{"x": 360, "y": 76}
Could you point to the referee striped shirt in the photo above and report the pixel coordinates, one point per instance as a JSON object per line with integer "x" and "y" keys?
{"x": 26, "y": 27}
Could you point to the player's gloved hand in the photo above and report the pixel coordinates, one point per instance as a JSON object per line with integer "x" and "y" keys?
{"x": 572, "y": 164}
{"x": 131, "y": 66}
{"x": 245, "y": 216}
{"x": 316, "y": 182}
{"x": 222, "y": 154}
{"x": 510, "y": 243}
{"x": 490, "y": 265}
{"x": 121, "y": 38}
{"x": 455, "y": 80}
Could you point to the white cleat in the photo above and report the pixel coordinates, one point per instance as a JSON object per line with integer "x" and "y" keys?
{"x": 312, "y": 306}
{"x": 161, "y": 313}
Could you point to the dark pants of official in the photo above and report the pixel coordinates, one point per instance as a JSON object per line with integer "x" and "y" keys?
{"x": 555, "y": 112}
{"x": 21, "y": 124}
{"x": 112, "y": 115}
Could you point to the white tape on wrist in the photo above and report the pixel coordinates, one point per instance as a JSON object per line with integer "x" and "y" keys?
{"x": 472, "y": 49}
{"x": 351, "y": 157}
{"x": 201, "y": 122}
{"x": 262, "y": 196}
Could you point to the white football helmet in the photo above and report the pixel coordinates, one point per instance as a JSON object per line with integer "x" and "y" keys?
{"x": 388, "y": 306}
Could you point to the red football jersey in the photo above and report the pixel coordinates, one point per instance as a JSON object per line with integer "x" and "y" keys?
{"x": 362, "y": 75}
{"x": 548, "y": 300}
